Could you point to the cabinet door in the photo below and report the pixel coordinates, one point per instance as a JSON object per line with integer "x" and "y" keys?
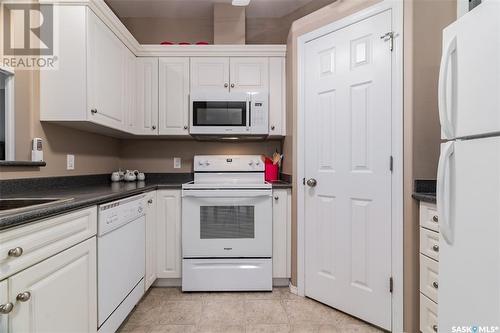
{"x": 150, "y": 239}
{"x": 281, "y": 233}
{"x": 62, "y": 293}
{"x": 277, "y": 97}
{"x": 169, "y": 256}
{"x": 106, "y": 66}
{"x": 4, "y": 299}
{"x": 145, "y": 114}
{"x": 174, "y": 96}
{"x": 249, "y": 74}
{"x": 210, "y": 74}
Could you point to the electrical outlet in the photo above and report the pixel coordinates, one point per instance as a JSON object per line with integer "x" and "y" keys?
{"x": 177, "y": 163}
{"x": 70, "y": 162}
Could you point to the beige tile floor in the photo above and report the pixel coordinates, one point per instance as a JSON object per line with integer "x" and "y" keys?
{"x": 169, "y": 310}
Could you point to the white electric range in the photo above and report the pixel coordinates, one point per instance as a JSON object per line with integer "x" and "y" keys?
{"x": 227, "y": 225}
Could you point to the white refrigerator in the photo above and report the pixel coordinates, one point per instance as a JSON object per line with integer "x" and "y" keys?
{"x": 468, "y": 180}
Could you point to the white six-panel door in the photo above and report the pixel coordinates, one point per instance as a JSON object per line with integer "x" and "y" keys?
{"x": 348, "y": 150}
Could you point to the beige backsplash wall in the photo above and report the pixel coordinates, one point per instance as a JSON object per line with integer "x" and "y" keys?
{"x": 157, "y": 155}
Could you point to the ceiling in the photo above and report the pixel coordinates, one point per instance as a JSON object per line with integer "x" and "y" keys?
{"x": 200, "y": 8}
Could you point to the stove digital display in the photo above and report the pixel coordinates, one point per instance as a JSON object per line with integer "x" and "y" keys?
{"x": 229, "y": 160}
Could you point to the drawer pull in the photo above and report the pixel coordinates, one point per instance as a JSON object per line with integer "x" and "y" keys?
{"x": 16, "y": 252}
{"x": 435, "y": 284}
{"x": 6, "y": 308}
{"x": 435, "y": 218}
{"x": 435, "y": 247}
{"x": 24, "y": 296}
{"x": 435, "y": 328}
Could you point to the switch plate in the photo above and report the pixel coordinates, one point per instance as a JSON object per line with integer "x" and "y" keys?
{"x": 70, "y": 162}
{"x": 177, "y": 163}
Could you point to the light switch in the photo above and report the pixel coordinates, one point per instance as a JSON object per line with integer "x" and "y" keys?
{"x": 70, "y": 162}
{"x": 177, "y": 163}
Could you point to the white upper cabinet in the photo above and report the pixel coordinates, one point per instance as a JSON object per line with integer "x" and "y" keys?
{"x": 210, "y": 74}
{"x": 144, "y": 117}
{"x": 249, "y": 74}
{"x": 174, "y": 96}
{"x": 277, "y": 97}
{"x": 106, "y": 65}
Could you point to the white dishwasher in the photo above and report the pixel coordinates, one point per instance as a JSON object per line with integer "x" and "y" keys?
{"x": 120, "y": 260}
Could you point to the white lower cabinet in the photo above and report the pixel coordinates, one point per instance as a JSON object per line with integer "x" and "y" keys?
{"x": 281, "y": 233}
{"x": 151, "y": 232}
{"x": 4, "y": 304}
{"x": 168, "y": 240}
{"x": 58, "y": 294}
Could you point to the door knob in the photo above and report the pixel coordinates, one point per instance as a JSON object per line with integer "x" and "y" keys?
{"x": 15, "y": 252}
{"x": 311, "y": 182}
{"x": 6, "y": 308}
{"x": 24, "y": 296}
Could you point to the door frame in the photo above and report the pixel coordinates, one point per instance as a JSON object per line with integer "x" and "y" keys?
{"x": 397, "y": 148}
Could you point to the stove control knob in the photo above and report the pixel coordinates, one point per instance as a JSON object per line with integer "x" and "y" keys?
{"x": 250, "y": 163}
{"x": 207, "y": 163}
{"x": 257, "y": 163}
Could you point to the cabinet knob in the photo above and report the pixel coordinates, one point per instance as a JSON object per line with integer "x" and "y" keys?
{"x": 435, "y": 284}
{"x": 24, "y": 296}
{"x": 435, "y": 218}
{"x": 435, "y": 247}
{"x": 273, "y": 128}
{"x": 232, "y": 85}
{"x": 185, "y": 127}
{"x": 435, "y": 328}
{"x": 276, "y": 198}
{"x": 93, "y": 111}
{"x": 226, "y": 85}
{"x": 150, "y": 201}
{"x": 15, "y": 252}
{"x": 153, "y": 127}
{"x": 6, "y": 308}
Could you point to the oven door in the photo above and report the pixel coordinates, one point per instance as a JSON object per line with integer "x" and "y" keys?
{"x": 227, "y": 223}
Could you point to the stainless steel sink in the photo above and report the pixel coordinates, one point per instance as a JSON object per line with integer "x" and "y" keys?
{"x": 12, "y": 205}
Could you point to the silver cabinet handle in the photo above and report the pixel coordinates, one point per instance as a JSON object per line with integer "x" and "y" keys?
{"x": 435, "y": 328}
{"x": 435, "y": 247}
{"x": 185, "y": 127}
{"x": 312, "y": 182}
{"x": 93, "y": 111}
{"x": 435, "y": 218}
{"x": 435, "y": 284}
{"x": 24, "y": 296}
{"x": 150, "y": 201}
{"x": 6, "y": 308}
{"x": 15, "y": 252}
{"x": 153, "y": 127}
{"x": 272, "y": 128}
{"x": 226, "y": 85}
{"x": 232, "y": 85}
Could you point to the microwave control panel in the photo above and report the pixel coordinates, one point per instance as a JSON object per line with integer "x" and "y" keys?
{"x": 258, "y": 112}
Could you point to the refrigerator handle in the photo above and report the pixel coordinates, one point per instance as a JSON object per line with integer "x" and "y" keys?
{"x": 442, "y": 88}
{"x": 443, "y": 192}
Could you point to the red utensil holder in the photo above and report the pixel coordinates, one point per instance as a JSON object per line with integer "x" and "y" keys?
{"x": 271, "y": 171}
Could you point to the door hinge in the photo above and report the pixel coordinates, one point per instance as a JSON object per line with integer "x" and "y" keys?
{"x": 303, "y": 181}
{"x": 391, "y": 163}
{"x": 391, "y": 284}
{"x": 389, "y": 37}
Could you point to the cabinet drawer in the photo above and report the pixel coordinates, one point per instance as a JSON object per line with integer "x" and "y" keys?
{"x": 429, "y": 277}
{"x": 428, "y": 216}
{"x": 43, "y": 239}
{"x": 428, "y": 315}
{"x": 429, "y": 243}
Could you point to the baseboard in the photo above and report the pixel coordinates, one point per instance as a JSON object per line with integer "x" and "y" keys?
{"x": 277, "y": 282}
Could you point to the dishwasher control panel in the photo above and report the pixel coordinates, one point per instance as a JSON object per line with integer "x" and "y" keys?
{"x": 117, "y": 213}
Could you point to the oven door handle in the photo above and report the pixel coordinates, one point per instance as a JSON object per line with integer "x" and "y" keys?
{"x": 226, "y": 193}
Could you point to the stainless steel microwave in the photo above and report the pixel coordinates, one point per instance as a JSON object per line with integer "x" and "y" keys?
{"x": 232, "y": 114}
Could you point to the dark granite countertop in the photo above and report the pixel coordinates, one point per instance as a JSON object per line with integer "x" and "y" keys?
{"x": 425, "y": 190}
{"x": 85, "y": 191}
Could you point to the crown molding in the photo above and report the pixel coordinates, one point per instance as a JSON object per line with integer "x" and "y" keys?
{"x": 102, "y": 10}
